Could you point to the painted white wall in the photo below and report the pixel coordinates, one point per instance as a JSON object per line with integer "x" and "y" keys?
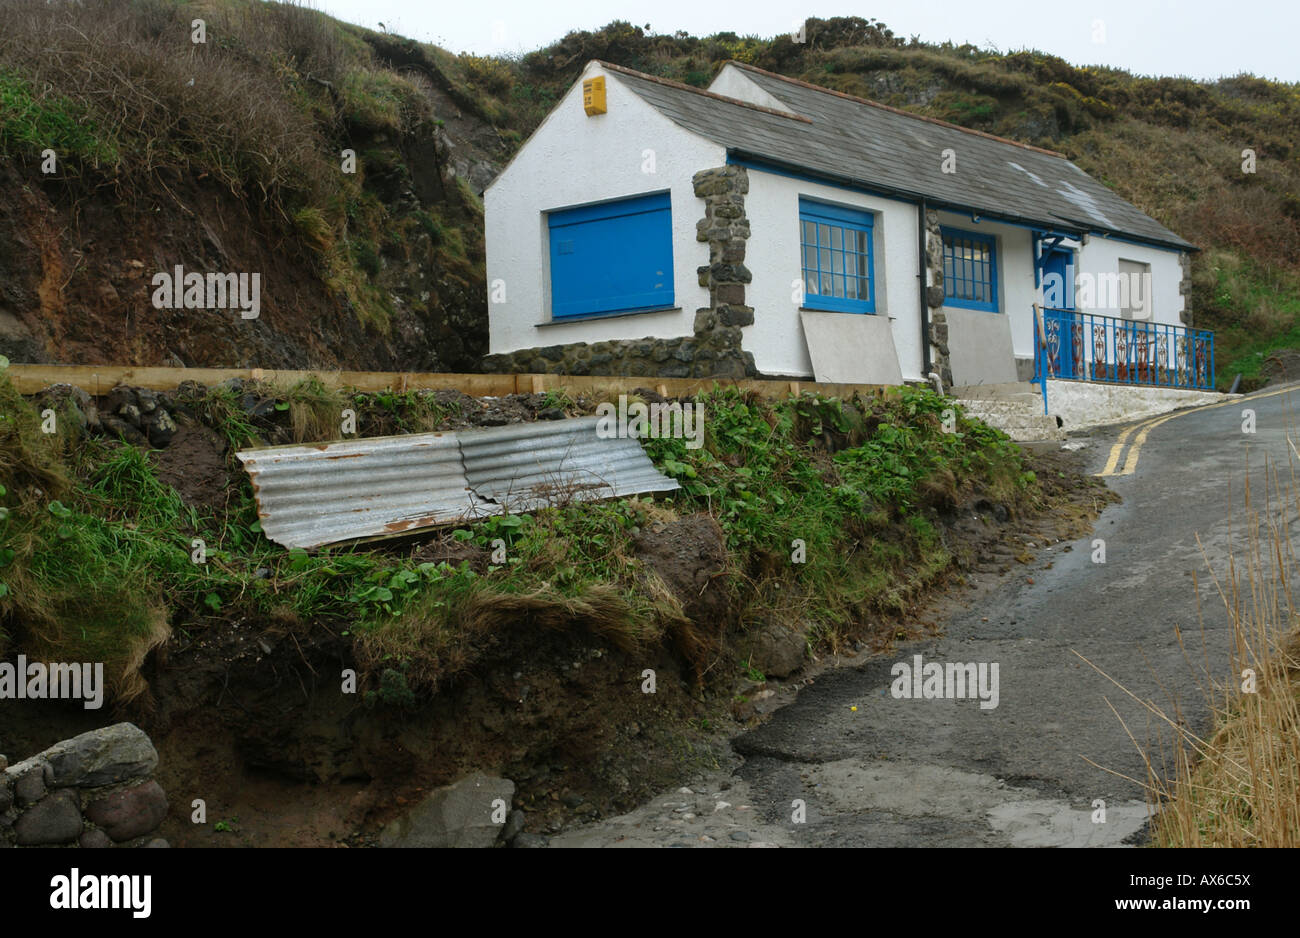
{"x": 1102, "y": 255}
{"x": 1082, "y": 404}
{"x": 572, "y": 160}
{"x": 772, "y": 256}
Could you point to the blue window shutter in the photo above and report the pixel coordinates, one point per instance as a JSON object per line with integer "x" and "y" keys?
{"x": 612, "y": 257}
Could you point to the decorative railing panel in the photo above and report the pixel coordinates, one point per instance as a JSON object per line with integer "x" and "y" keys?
{"x": 1087, "y": 347}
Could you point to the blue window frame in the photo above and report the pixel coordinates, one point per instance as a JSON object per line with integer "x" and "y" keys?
{"x": 970, "y": 270}
{"x": 836, "y": 257}
{"x": 612, "y": 257}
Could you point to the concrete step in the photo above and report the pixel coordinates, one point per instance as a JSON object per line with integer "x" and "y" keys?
{"x": 1022, "y": 420}
{"x": 1032, "y": 406}
{"x": 976, "y": 392}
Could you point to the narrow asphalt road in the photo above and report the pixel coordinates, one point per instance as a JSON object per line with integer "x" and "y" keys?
{"x": 948, "y": 772}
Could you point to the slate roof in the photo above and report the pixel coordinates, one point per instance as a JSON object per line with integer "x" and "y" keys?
{"x": 879, "y": 148}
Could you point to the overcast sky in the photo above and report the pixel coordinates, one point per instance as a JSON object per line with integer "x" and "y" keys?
{"x": 1200, "y": 38}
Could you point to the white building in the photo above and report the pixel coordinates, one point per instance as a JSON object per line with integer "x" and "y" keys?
{"x": 768, "y": 225}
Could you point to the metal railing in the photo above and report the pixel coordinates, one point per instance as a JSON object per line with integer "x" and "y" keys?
{"x": 1079, "y": 346}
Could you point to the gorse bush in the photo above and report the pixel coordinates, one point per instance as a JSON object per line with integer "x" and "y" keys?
{"x": 172, "y": 102}
{"x": 378, "y": 100}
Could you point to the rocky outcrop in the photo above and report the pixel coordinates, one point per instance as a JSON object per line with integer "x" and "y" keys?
{"x": 774, "y": 648}
{"x": 137, "y": 415}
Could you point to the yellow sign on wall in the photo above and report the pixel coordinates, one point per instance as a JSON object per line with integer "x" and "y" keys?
{"x": 593, "y": 95}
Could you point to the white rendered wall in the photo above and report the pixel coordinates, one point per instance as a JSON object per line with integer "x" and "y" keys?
{"x": 1082, "y": 404}
{"x": 772, "y": 256}
{"x": 571, "y": 160}
{"x": 1102, "y": 255}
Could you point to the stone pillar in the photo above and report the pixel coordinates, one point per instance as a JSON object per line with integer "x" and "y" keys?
{"x": 1185, "y": 287}
{"x": 934, "y": 292}
{"x": 725, "y": 229}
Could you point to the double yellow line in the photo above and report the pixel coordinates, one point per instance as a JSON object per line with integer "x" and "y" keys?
{"x": 1144, "y": 428}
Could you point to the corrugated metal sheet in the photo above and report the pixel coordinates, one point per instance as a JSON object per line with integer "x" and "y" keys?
{"x": 528, "y": 465}
{"x": 323, "y": 493}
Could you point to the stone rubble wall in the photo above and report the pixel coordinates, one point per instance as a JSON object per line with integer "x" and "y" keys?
{"x": 1185, "y": 288}
{"x": 94, "y": 790}
{"x": 715, "y": 348}
{"x": 940, "y": 362}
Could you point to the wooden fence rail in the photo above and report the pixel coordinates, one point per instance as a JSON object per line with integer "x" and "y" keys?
{"x": 100, "y": 379}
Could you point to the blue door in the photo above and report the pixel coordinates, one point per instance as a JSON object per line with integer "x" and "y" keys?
{"x": 1064, "y": 330}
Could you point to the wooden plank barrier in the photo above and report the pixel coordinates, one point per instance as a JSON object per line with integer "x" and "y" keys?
{"x": 100, "y": 379}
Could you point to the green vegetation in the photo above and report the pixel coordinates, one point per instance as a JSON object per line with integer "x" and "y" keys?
{"x": 55, "y": 122}
{"x": 124, "y": 539}
{"x": 99, "y": 557}
{"x": 864, "y": 513}
{"x": 1258, "y": 311}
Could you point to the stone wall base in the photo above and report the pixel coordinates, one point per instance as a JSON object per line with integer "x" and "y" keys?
{"x": 94, "y": 790}
{"x": 716, "y": 354}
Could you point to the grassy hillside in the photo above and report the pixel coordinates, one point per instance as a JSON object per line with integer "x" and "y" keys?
{"x": 97, "y": 540}
{"x": 508, "y": 645}
{"x": 232, "y": 154}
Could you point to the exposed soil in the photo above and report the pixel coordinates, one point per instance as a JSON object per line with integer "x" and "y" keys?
{"x": 194, "y": 464}
{"x": 447, "y": 549}
{"x": 76, "y": 268}
{"x": 252, "y": 719}
{"x": 689, "y": 557}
